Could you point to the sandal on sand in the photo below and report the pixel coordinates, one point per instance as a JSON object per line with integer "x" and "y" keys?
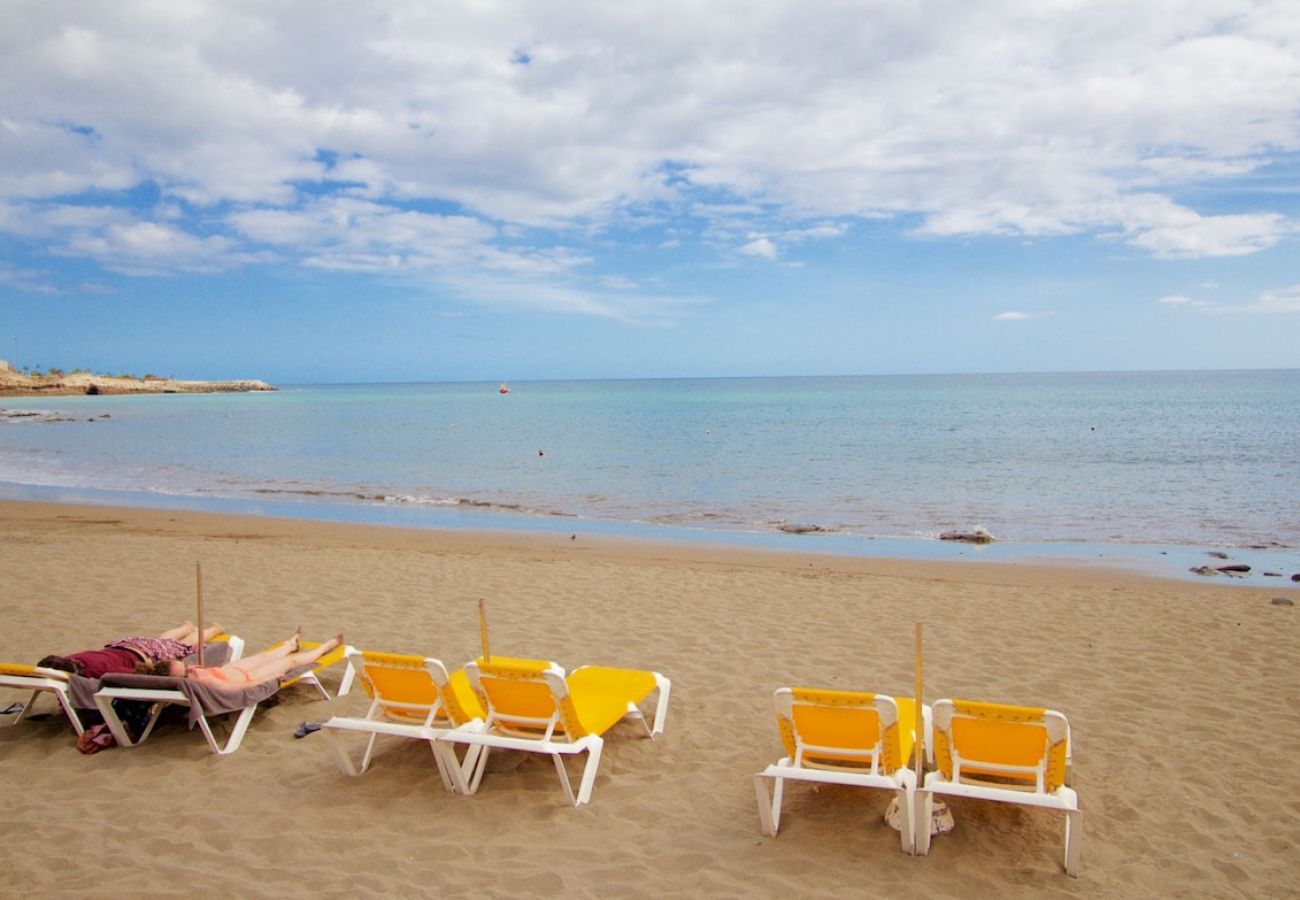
{"x": 306, "y": 728}
{"x": 11, "y": 709}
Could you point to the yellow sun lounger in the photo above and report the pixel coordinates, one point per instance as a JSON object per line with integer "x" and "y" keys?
{"x": 311, "y": 674}
{"x": 72, "y": 691}
{"x": 842, "y": 737}
{"x": 411, "y": 697}
{"x": 39, "y": 680}
{"x": 533, "y": 706}
{"x": 1009, "y": 754}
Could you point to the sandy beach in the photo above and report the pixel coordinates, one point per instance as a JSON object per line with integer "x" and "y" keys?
{"x": 1182, "y": 697}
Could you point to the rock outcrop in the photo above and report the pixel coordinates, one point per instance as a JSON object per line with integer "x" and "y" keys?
{"x": 13, "y": 383}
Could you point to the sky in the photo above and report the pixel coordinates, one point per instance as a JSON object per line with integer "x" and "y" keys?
{"x": 460, "y": 191}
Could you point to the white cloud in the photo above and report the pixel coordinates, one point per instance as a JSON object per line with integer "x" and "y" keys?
{"x": 473, "y": 138}
{"x": 1012, "y": 316}
{"x": 760, "y": 247}
{"x": 152, "y": 248}
{"x": 1286, "y": 300}
{"x": 26, "y": 280}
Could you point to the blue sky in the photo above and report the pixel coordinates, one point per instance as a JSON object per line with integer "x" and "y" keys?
{"x": 400, "y": 191}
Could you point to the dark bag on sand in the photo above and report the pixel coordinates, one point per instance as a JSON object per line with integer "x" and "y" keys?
{"x": 135, "y": 715}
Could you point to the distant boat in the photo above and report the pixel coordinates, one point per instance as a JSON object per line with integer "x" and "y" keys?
{"x": 504, "y": 389}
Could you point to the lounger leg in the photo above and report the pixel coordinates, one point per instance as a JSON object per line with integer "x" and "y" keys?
{"x": 450, "y": 781}
{"x": 236, "y": 733}
{"x": 907, "y": 821}
{"x": 345, "y": 685}
{"x": 558, "y": 759}
{"x": 341, "y": 754}
{"x": 478, "y": 769}
{"x": 769, "y": 807}
{"x": 661, "y": 707}
{"x": 27, "y": 707}
{"x": 68, "y": 711}
{"x": 461, "y": 772}
{"x": 1073, "y": 838}
{"x": 589, "y": 773}
{"x": 115, "y": 725}
{"x": 923, "y": 807}
{"x": 310, "y": 678}
{"x": 370, "y": 750}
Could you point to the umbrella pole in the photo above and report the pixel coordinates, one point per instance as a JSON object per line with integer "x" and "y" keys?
{"x": 920, "y": 716}
{"x": 198, "y": 590}
{"x": 483, "y": 630}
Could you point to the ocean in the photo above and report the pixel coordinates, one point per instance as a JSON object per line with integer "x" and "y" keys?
{"x": 1049, "y": 464}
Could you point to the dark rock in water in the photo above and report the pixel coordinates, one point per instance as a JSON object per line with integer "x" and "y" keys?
{"x": 1217, "y": 554}
{"x": 802, "y": 529}
{"x": 1204, "y": 570}
{"x": 1296, "y": 577}
{"x": 975, "y": 536}
{"x": 1283, "y": 601}
{"x": 1272, "y": 574}
{"x": 1236, "y": 569}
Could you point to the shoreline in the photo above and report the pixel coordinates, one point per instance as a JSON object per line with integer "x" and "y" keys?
{"x": 1156, "y": 677}
{"x": 1161, "y": 561}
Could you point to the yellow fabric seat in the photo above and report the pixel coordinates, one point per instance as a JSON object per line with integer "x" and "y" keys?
{"x": 1008, "y": 754}
{"x": 311, "y": 674}
{"x": 842, "y": 737}
{"x": 411, "y": 697}
{"x": 533, "y": 706}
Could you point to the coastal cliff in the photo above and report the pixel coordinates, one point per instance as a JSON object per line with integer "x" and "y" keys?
{"x": 15, "y": 383}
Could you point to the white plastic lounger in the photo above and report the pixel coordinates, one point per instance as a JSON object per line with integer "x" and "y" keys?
{"x": 74, "y": 692}
{"x": 532, "y": 706}
{"x": 411, "y": 697}
{"x": 39, "y": 681}
{"x": 842, "y": 737}
{"x": 1008, "y": 754}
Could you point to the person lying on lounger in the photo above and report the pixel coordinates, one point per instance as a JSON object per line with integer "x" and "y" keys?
{"x": 251, "y": 670}
{"x": 127, "y": 655}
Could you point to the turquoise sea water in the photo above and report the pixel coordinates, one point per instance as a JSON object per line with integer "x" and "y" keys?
{"x": 1187, "y": 459}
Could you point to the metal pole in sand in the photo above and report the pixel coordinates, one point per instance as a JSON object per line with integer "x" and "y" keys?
{"x": 198, "y": 589}
{"x": 482, "y": 629}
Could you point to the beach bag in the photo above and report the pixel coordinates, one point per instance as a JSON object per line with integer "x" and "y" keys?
{"x": 96, "y": 738}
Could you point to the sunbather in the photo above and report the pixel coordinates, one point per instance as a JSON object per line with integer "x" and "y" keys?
{"x": 262, "y": 667}
{"x": 128, "y": 654}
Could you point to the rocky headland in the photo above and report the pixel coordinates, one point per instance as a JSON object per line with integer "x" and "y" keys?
{"x": 57, "y": 383}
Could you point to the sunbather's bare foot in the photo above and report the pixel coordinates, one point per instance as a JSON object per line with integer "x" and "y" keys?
{"x": 295, "y": 642}
{"x": 336, "y": 641}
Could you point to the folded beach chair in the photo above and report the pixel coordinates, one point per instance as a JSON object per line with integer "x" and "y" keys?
{"x": 842, "y": 737}
{"x": 1009, "y": 754}
{"x": 411, "y": 697}
{"x": 74, "y": 692}
{"x": 532, "y": 706}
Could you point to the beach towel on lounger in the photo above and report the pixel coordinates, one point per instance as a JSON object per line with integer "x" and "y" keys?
{"x": 81, "y": 691}
{"x": 203, "y": 699}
